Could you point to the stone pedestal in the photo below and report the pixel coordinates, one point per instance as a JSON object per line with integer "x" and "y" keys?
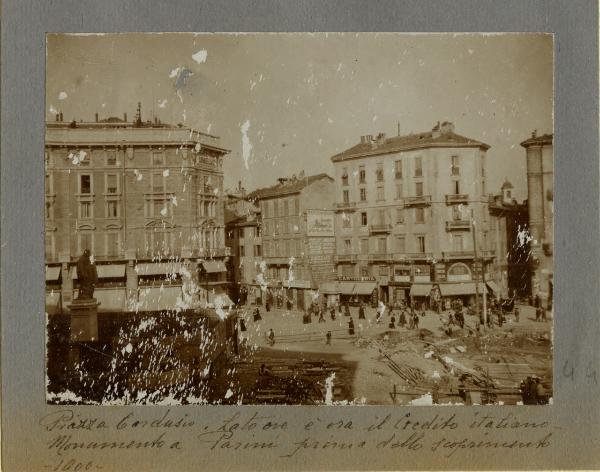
{"x": 83, "y": 330}
{"x": 84, "y": 320}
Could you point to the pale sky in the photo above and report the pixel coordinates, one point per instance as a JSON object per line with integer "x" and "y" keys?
{"x": 304, "y": 97}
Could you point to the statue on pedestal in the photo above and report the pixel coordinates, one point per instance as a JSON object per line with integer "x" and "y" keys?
{"x": 87, "y": 276}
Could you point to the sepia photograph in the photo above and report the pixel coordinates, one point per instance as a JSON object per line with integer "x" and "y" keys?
{"x": 299, "y": 219}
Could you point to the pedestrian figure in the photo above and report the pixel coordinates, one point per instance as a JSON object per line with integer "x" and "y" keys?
{"x": 416, "y": 320}
{"x": 361, "y": 312}
{"x": 321, "y": 319}
{"x": 516, "y": 315}
{"x": 268, "y": 306}
{"x": 271, "y": 337}
{"x": 450, "y": 319}
{"x": 393, "y": 322}
{"x": 543, "y": 314}
{"x": 540, "y": 392}
{"x": 537, "y": 314}
{"x": 402, "y": 321}
{"x": 328, "y": 337}
{"x": 346, "y": 310}
{"x": 242, "y": 324}
{"x": 332, "y": 312}
{"x": 351, "y": 327}
{"x": 339, "y": 307}
{"x": 257, "y": 316}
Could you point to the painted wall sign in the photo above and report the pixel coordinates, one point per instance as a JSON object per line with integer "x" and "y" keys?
{"x": 320, "y": 223}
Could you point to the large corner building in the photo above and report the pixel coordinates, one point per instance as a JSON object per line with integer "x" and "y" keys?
{"x": 146, "y": 199}
{"x": 404, "y": 212}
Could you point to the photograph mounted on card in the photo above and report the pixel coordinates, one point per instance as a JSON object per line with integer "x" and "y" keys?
{"x": 299, "y": 219}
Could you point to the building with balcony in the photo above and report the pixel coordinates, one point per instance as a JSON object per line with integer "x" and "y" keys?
{"x": 298, "y": 238}
{"x": 405, "y": 207}
{"x": 510, "y": 269}
{"x": 146, "y": 199}
{"x": 540, "y": 202}
{"x": 244, "y": 240}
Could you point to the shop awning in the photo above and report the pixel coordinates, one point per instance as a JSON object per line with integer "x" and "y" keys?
{"x": 219, "y": 299}
{"x": 53, "y": 302}
{"x": 111, "y": 299}
{"x": 296, "y": 284}
{"x": 493, "y": 286}
{"x": 157, "y": 268}
{"x": 109, "y": 271}
{"x": 52, "y": 273}
{"x": 159, "y": 298}
{"x": 460, "y": 288}
{"x": 420, "y": 290}
{"x": 357, "y": 288}
{"x": 329, "y": 288}
{"x": 214, "y": 266}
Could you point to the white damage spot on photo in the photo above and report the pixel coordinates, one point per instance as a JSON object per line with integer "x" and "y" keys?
{"x": 77, "y": 157}
{"x": 246, "y": 144}
{"x": 200, "y": 56}
{"x": 62, "y": 95}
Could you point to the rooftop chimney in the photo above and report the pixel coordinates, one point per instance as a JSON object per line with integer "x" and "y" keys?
{"x": 125, "y": 117}
{"x": 138, "y": 114}
{"x": 534, "y": 133}
{"x": 57, "y": 117}
{"x": 96, "y": 117}
{"x": 446, "y": 127}
{"x": 61, "y": 116}
{"x": 381, "y": 139}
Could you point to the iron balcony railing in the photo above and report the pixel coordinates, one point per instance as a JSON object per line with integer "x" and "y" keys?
{"x": 380, "y": 257}
{"x": 345, "y": 258}
{"x": 380, "y": 228}
{"x": 420, "y": 200}
{"x": 454, "y": 225}
{"x": 458, "y": 254}
{"x": 345, "y": 205}
{"x": 452, "y": 199}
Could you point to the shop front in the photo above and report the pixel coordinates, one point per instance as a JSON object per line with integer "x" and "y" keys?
{"x": 296, "y": 294}
{"x": 463, "y": 291}
{"x": 419, "y": 295}
{"x": 53, "y": 286}
{"x": 331, "y": 292}
{"x": 356, "y": 292}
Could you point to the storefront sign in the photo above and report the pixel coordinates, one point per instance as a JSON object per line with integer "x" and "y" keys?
{"x": 320, "y": 223}
{"x": 345, "y": 278}
{"x": 440, "y": 272}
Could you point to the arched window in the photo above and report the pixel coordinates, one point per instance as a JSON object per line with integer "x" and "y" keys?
{"x": 459, "y": 271}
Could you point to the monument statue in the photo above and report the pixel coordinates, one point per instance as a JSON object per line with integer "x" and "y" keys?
{"x": 87, "y": 276}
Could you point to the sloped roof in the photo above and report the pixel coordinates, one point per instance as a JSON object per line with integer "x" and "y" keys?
{"x": 289, "y": 187}
{"x": 538, "y": 140}
{"x": 408, "y": 142}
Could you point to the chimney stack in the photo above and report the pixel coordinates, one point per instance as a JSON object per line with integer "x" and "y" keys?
{"x": 125, "y": 117}
{"x": 61, "y": 116}
{"x": 96, "y": 117}
{"x": 57, "y": 117}
{"x": 534, "y": 133}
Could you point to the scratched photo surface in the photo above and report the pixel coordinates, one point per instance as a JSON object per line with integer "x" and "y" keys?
{"x": 299, "y": 219}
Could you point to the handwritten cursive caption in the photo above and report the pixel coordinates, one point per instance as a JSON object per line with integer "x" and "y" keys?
{"x": 74, "y": 441}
